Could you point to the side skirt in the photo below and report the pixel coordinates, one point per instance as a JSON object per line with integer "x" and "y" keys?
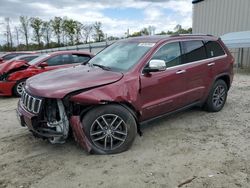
{"x": 171, "y": 113}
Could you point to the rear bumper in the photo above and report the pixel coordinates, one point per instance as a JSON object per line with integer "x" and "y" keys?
{"x": 6, "y": 87}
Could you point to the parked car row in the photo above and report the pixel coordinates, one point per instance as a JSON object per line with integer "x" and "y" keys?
{"x": 133, "y": 81}
{"x": 14, "y": 72}
{"x": 12, "y": 55}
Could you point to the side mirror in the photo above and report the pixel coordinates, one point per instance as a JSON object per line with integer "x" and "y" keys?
{"x": 43, "y": 64}
{"x": 1, "y": 59}
{"x": 155, "y": 65}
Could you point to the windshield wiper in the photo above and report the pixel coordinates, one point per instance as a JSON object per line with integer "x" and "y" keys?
{"x": 102, "y": 66}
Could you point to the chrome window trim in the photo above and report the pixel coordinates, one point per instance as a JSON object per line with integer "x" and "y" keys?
{"x": 189, "y": 63}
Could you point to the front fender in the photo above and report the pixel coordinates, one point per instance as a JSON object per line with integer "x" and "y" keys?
{"x": 126, "y": 90}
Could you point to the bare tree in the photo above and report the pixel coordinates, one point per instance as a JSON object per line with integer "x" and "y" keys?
{"x": 98, "y": 35}
{"x": 86, "y": 32}
{"x": 47, "y": 32}
{"x": 17, "y": 36}
{"x": 24, "y": 28}
{"x": 78, "y": 34}
{"x": 36, "y": 24}
{"x": 57, "y": 23}
{"x": 8, "y": 33}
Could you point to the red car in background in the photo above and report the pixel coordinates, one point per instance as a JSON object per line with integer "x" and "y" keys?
{"x": 25, "y": 58}
{"x": 12, "y": 55}
{"x": 13, "y": 75}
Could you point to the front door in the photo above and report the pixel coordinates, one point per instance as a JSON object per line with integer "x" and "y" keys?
{"x": 164, "y": 91}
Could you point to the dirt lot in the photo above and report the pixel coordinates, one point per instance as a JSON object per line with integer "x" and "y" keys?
{"x": 212, "y": 148}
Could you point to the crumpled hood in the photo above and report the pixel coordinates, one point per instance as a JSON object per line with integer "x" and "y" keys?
{"x": 8, "y": 66}
{"x": 60, "y": 82}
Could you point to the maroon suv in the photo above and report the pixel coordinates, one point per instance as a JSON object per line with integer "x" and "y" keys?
{"x": 131, "y": 82}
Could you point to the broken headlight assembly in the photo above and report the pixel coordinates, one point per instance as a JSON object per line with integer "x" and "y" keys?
{"x": 3, "y": 76}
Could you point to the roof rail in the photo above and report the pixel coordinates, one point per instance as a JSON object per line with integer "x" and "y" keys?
{"x": 193, "y": 34}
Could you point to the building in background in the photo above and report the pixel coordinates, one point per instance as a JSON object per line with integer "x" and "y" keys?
{"x": 219, "y": 17}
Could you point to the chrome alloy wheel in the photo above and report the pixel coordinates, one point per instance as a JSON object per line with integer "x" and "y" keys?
{"x": 19, "y": 87}
{"x": 219, "y": 96}
{"x": 108, "y": 132}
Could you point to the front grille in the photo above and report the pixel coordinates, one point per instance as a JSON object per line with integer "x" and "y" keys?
{"x": 30, "y": 103}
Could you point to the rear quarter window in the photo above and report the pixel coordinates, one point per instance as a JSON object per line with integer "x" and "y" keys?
{"x": 213, "y": 49}
{"x": 194, "y": 51}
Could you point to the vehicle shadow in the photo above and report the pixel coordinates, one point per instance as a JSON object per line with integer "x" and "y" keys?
{"x": 162, "y": 121}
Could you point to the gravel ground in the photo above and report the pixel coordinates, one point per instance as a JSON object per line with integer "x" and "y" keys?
{"x": 196, "y": 148}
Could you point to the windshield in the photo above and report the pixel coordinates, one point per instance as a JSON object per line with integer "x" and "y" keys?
{"x": 121, "y": 56}
{"x": 38, "y": 59}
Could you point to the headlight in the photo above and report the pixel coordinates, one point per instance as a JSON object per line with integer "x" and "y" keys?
{"x": 3, "y": 77}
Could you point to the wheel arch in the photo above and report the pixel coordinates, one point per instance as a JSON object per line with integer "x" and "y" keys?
{"x": 225, "y": 78}
{"x": 128, "y": 106}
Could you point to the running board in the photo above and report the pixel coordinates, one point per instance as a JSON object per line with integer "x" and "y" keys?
{"x": 171, "y": 113}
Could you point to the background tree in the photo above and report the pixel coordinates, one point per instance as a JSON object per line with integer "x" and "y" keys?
{"x": 69, "y": 27}
{"x": 87, "y": 30}
{"x": 37, "y": 26}
{"x": 142, "y": 32}
{"x": 24, "y": 28}
{"x": 78, "y": 33}
{"x": 98, "y": 35}
{"x": 8, "y": 33}
{"x": 17, "y": 36}
{"x": 56, "y": 24}
{"x": 47, "y": 32}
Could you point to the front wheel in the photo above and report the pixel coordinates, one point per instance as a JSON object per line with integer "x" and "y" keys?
{"x": 18, "y": 88}
{"x": 217, "y": 96}
{"x": 110, "y": 129}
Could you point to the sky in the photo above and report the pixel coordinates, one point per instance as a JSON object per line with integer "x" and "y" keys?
{"x": 116, "y": 15}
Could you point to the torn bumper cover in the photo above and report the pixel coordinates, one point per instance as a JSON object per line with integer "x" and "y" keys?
{"x": 78, "y": 132}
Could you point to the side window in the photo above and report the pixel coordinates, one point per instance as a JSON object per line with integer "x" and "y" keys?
{"x": 59, "y": 60}
{"x": 79, "y": 58}
{"x": 29, "y": 58}
{"x": 10, "y": 56}
{"x": 213, "y": 49}
{"x": 194, "y": 51}
{"x": 170, "y": 53}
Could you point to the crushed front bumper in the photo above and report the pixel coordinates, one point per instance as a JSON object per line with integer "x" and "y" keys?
{"x": 31, "y": 121}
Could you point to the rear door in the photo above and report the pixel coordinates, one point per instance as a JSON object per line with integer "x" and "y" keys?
{"x": 198, "y": 70}
{"x": 162, "y": 92}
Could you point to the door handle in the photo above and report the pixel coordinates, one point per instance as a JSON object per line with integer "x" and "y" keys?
{"x": 210, "y": 64}
{"x": 180, "y": 71}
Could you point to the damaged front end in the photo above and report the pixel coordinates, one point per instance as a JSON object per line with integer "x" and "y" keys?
{"x": 57, "y": 120}
{"x": 46, "y": 118}
{"x": 49, "y": 119}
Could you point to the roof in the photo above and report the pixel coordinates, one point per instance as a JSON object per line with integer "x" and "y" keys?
{"x": 71, "y": 52}
{"x": 158, "y": 38}
{"x": 237, "y": 39}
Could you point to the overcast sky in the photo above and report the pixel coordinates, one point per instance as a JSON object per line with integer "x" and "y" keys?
{"x": 116, "y": 15}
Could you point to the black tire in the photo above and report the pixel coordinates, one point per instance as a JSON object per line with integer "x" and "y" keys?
{"x": 91, "y": 124}
{"x": 16, "y": 89}
{"x": 217, "y": 96}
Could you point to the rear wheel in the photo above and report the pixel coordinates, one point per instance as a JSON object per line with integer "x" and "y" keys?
{"x": 18, "y": 88}
{"x": 110, "y": 129}
{"x": 217, "y": 97}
